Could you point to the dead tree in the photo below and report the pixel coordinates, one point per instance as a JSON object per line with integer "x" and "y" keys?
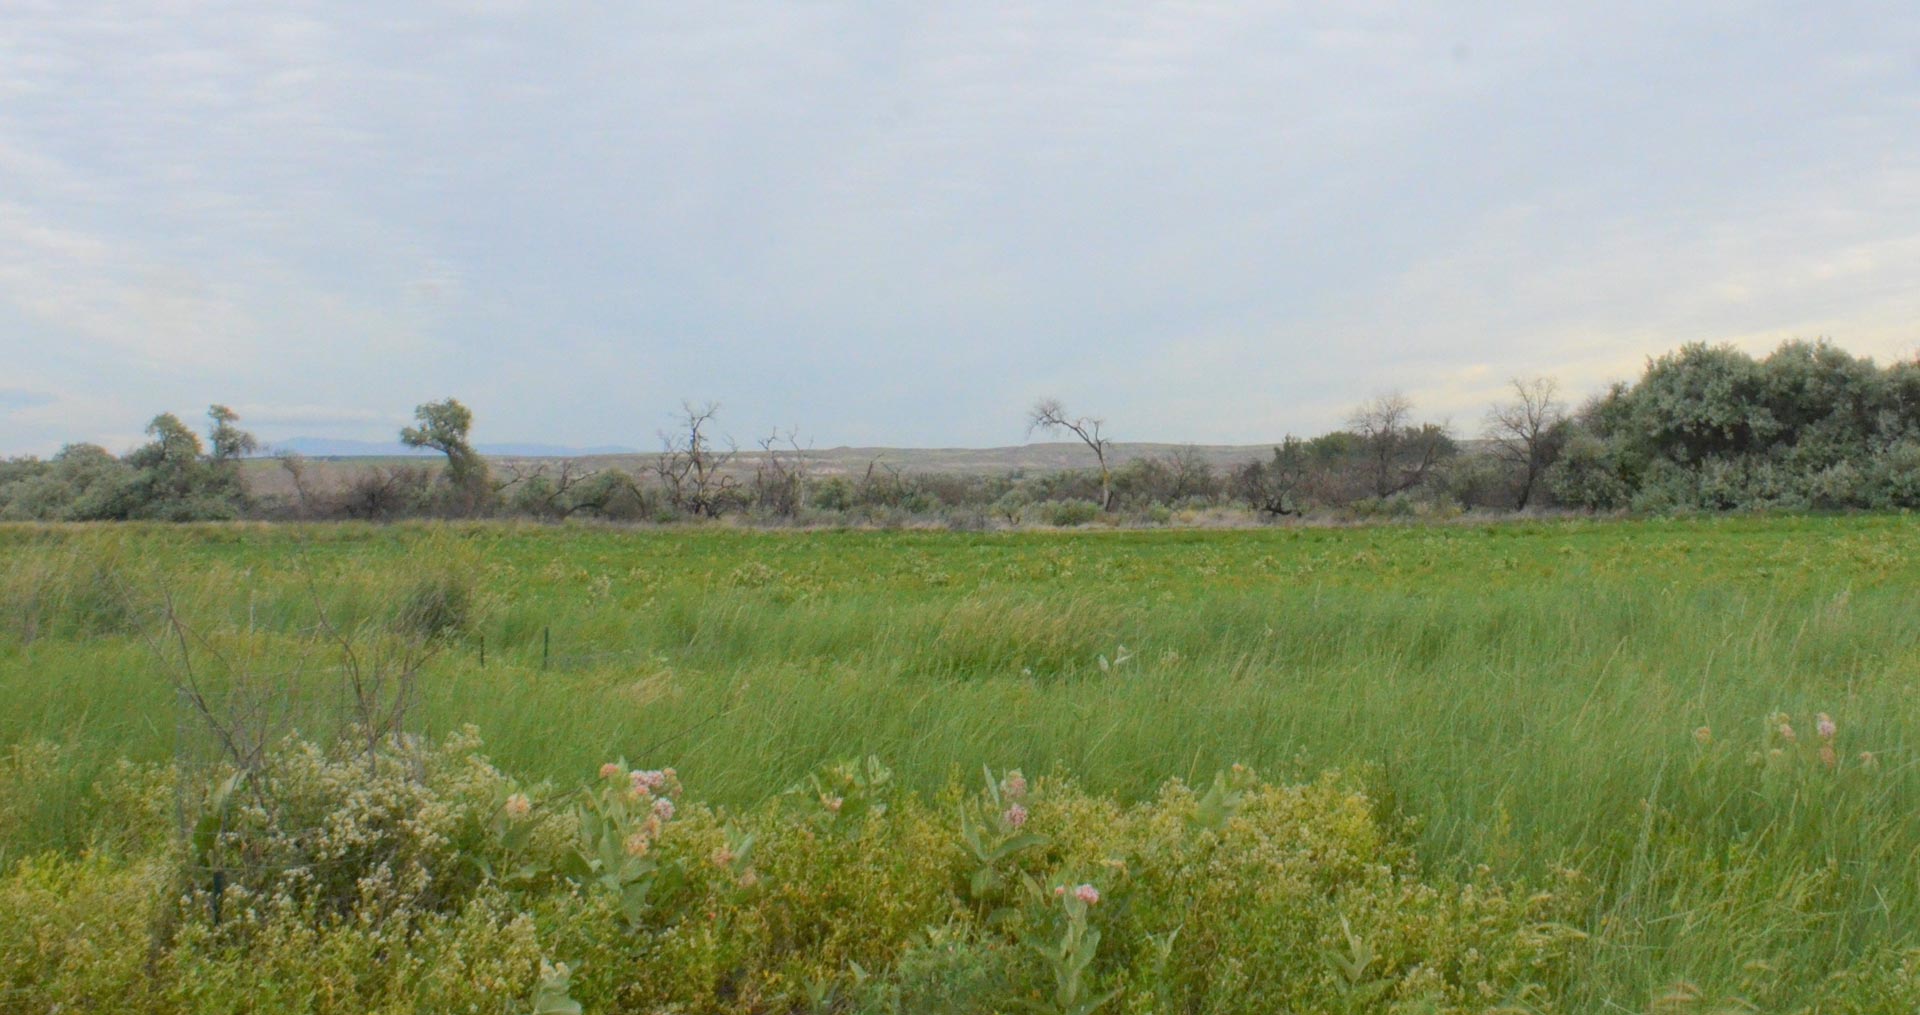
{"x": 1528, "y": 432}
{"x": 780, "y": 476}
{"x": 549, "y": 493}
{"x": 691, "y": 468}
{"x": 1049, "y": 414}
{"x": 295, "y": 466}
{"x": 1399, "y": 454}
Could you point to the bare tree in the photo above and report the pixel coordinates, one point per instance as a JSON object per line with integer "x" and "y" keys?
{"x": 691, "y": 467}
{"x": 380, "y": 492}
{"x": 780, "y": 476}
{"x": 1529, "y": 431}
{"x": 1399, "y": 454}
{"x": 295, "y": 465}
{"x": 1049, "y": 414}
{"x": 547, "y": 492}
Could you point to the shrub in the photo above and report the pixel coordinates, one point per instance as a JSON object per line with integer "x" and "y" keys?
{"x": 1065, "y": 513}
{"x": 417, "y": 878}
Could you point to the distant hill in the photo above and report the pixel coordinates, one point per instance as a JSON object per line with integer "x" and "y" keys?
{"x": 329, "y": 447}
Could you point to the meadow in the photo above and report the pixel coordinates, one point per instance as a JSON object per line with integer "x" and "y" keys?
{"x": 1620, "y": 714}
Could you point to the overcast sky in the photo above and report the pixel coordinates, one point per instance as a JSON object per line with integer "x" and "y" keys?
{"x": 901, "y": 223}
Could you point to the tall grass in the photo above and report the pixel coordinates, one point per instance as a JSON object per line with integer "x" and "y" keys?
{"x": 1527, "y": 695}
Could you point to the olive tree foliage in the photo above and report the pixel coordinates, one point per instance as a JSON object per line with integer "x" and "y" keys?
{"x": 1400, "y": 453}
{"x": 692, "y": 468}
{"x": 1712, "y": 428}
{"x": 1528, "y": 432}
{"x": 443, "y": 426}
{"x": 230, "y": 443}
{"x": 172, "y": 477}
{"x": 82, "y": 482}
{"x": 175, "y": 479}
{"x": 1050, "y": 415}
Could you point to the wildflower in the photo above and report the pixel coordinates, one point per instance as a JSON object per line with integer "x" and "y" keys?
{"x": 609, "y": 770}
{"x": 1087, "y": 894}
{"x": 1703, "y": 736}
{"x": 518, "y": 806}
{"x": 1014, "y": 786}
{"x": 645, "y": 783}
{"x": 1867, "y": 760}
{"x": 749, "y": 878}
{"x": 637, "y": 844}
{"x": 722, "y": 857}
{"x": 1786, "y": 732}
{"x": 1827, "y": 756}
{"x": 1825, "y": 727}
{"x": 663, "y": 809}
{"x": 1059, "y": 890}
{"x": 1015, "y": 817}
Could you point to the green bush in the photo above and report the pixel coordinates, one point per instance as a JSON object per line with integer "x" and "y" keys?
{"x": 1065, "y": 513}
{"x": 420, "y": 879}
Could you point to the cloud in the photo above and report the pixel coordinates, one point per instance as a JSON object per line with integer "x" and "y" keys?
{"x": 1204, "y": 220}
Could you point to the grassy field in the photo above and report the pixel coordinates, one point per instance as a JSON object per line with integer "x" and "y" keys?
{"x": 1528, "y": 697}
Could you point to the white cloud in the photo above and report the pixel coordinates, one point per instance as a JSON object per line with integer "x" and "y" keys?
{"x": 1207, "y": 220}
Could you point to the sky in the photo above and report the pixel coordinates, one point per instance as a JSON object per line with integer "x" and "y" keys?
{"x": 900, "y": 224}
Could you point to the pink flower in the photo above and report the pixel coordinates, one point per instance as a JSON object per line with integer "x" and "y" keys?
{"x": 648, "y": 781}
{"x": 1825, "y": 727}
{"x": 663, "y": 809}
{"x": 722, "y": 857}
{"x": 1703, "y": 736}
{"x": 637, "y": 844}
{"x": 832, "y": 803}
{"x": 1015, "y": 817}
{"x": 1827, "y": 756}
{"x": 1059, "y": 890}
{"x": 609, "y": 770}
{"x": 1087, "y": 894}
{"x": 518, "y": 806}
{"x": 1014, "y": 786}
{"x": 1786, "y": 732}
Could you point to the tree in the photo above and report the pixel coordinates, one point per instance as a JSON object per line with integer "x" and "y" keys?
{"x": 1274, "y": 487}
{"x": 780, "y": 474}
{"x": 169, "y": 467}
{"x": 1399, "y": 454}
{"x": 1528, "y": 432}
{"x": 691, "y": 468}
{"x": 230, "y": 443}
{"x": 294, "y": 464}
{"x": 443, "y": 427}
{"x": 1049, "y": 414}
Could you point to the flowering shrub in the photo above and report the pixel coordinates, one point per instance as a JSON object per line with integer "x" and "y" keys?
{"x": 422, "y": 879}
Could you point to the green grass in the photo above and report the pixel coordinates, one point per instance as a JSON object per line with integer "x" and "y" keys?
{"x": 1528, "y": 693}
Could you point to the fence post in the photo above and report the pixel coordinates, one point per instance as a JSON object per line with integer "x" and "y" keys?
{"x": 483, "y": 651}
{"x": 546, "y": 644}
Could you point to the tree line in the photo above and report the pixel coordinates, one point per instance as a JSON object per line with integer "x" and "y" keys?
{"x": 1704, "y": 428}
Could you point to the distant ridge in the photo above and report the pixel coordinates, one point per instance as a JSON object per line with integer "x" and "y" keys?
{"x": 329, "y": 447}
